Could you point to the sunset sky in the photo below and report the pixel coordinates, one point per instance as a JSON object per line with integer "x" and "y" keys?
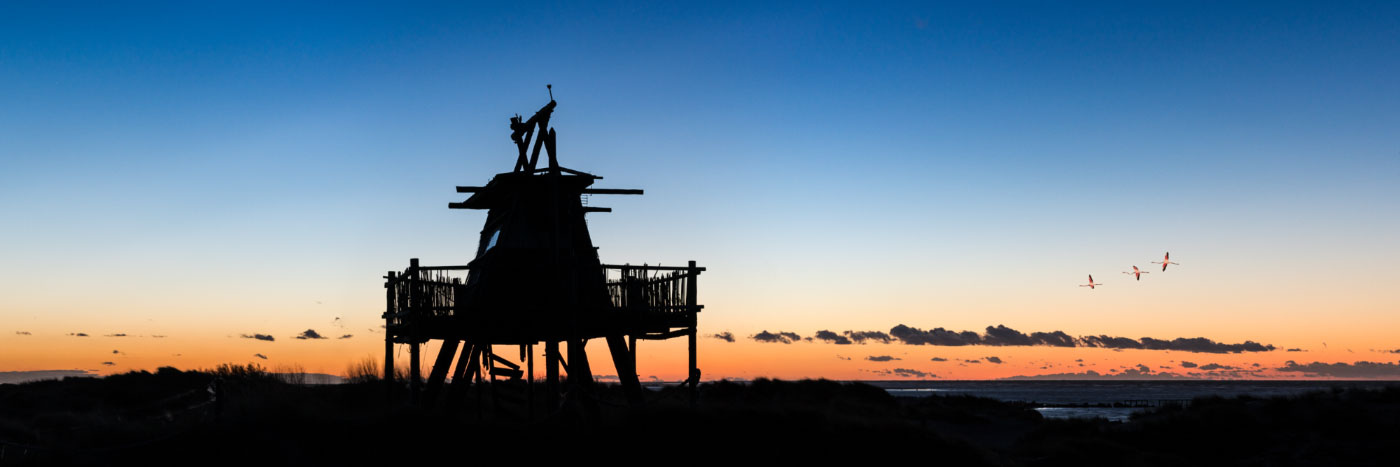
{"x": 175, "y": 176}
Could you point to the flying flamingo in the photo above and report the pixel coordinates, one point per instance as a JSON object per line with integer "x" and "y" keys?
{"x": 1165, "y": 261}
{"x": 1091, "y": 283}
{"x": 1136, "y": 273}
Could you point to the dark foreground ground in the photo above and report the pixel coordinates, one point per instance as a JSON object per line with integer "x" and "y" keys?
{"x": 251, "y": 418}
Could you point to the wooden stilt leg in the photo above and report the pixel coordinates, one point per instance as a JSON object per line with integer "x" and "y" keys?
{"x": 626, "y": 364}
{"x": 438, "y": 375}
{"x": 551, "y": 376}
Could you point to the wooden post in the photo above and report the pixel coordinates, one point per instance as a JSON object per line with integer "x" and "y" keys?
{"x": 490, "y": 363}
{"x": 389, "y": 334}
{"x": 414, "y": 385}
{"x": 690, "y": 305}
{"x": 530, "y": 382}
{"x": 551, "y": 376}
{"x": 414, "y": 363}
{"x": 694, "y": 379}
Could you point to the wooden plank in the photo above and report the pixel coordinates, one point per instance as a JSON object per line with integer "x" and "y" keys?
{"x": 508, "y": 373}
{"x": 664, "y": 336}
{"x": 610, "y": 191}
{"x": 580, "y": 173}
{"x": 498, "y": 359}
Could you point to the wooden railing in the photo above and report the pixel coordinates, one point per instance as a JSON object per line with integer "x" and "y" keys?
{"x": 431, "y": 291}
{"x": 653, "y": 289}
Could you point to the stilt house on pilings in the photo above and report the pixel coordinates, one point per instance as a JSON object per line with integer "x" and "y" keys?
{"x": 536, "y": 280}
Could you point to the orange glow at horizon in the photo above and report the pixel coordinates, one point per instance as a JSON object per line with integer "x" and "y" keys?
{"x": 666, "y": 360}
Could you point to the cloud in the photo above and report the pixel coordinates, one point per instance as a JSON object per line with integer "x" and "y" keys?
{"x": 347, "y": 336}
{"x": 264, "y": 357}
{"x": 23, "y": 333}
{"x": 261, "y": 337}
{"x": 779, "y": 337}
{"x": 1295, "y": 350}
{"x": 1140, "y": 370}
{"x": 936, "y": 336}
{"x": 1386, "y": 351}
{"x": 904, "y": 373}
{"x": 995, "y": 360}
{"x": 1109, "y": 342}
{"x": 120, "y": 334}
{"x": 972, "y": 361}
{"x": 874, "y": 336}
{"x": 1344, "y": 370}
{"x": 1000, "y": 335}
{"x": 939, "y": 359}
{"x": 838, "y": 357}
{"x": 116, "y": 352}
{"x": 831, "y": 337}
{"x": 17, "y": 377}
{"x": 109, "y": 363}
{"x": 908, "y": 373}
{"x": 881, "y": 358}
{"x": 1091, "y": 375}
{"x": 724, "y": 336}
{"x": 158, "y": 336}
{"x": 1186, "y": 364}
{"x": 309, "y": 334}
{"x": 1217, "y": 366}
{"x": 1203, "y": 345}
{"x": 1053, "y": 339}
{"x": 78, "y": 334}
{"x": 1194, "y": 344}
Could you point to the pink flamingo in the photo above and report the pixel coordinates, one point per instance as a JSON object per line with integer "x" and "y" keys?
{"x": 1164, "y": 262}
{"x": 1091, "y": 283}
{"x": 1136, "y": 273}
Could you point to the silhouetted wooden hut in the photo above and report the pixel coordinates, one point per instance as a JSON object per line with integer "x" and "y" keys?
{"x": 536, "y": 279}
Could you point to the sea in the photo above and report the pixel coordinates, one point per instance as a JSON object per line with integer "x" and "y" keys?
{"x": 1112, "y": 400}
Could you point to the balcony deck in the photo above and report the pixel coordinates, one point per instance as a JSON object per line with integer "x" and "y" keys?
{"x": 644, "y": 302}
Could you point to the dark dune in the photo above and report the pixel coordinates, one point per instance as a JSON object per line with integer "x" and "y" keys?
{"x": 170, "y": 416}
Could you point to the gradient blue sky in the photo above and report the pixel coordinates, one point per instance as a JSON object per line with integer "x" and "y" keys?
{"x": 207, "y": 169}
